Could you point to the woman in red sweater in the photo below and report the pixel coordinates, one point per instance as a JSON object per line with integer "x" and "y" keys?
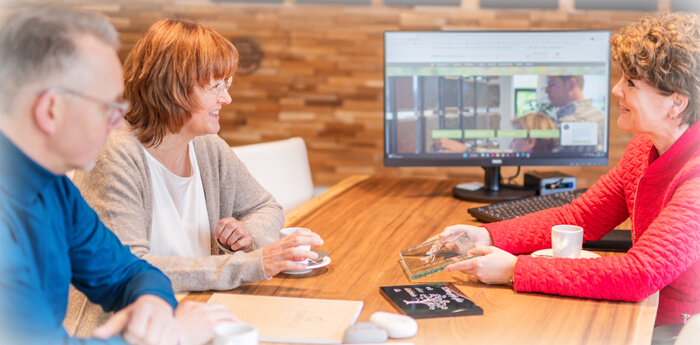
{"x": 656, "y": 185}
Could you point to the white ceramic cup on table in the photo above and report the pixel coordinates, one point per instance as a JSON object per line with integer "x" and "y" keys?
{"x": 288, "y": 231}
{"x": 235, "y": 334}
{"x": 567, "y": 241}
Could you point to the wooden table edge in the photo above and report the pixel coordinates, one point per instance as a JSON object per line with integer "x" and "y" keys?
{"x": 646, "y": 320}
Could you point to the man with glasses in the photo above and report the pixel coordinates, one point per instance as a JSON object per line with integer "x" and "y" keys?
{"x": 566, "y": 93}
{"x": 117, "y": 108}
{"x": 61, "y": 88}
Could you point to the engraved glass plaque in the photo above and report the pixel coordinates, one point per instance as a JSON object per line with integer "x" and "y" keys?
{"x": 433, "y": 256}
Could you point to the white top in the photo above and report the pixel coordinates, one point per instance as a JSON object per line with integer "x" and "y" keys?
{"x": 180, "y": 223}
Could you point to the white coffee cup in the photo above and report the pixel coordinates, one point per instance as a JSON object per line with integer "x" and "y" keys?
{"x": 567, "y": 241}
{"x": 288, "y": 231}
{"x": 235, "y": 334}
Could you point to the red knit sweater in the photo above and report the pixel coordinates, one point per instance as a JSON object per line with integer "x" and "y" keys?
{"x": 661, "y": 195}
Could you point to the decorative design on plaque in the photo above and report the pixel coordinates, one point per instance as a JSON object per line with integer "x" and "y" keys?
{"x": 430, "y": 255}
{"x": 433, "y": 256}
{"x": 430, "y": 300}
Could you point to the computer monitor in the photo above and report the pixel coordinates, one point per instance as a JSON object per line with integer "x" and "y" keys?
{"x": 496, "y": 98}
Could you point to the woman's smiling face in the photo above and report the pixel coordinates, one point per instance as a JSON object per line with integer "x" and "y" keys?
{"x": 211, "y": 98}
{"x": 642, "y": 108}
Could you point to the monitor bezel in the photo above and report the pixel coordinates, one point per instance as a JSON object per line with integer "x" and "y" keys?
{"x": 458, "y": 160}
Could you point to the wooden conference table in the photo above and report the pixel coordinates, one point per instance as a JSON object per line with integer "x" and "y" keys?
{"x": 365, "y": 221}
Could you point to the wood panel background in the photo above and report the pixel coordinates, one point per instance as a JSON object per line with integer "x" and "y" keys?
{"x": 321, "y": 74}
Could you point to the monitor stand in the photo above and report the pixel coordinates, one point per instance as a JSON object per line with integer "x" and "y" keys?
{"x": 492, "y": 191}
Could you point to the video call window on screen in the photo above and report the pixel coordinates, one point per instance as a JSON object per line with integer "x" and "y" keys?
{"x": 524, "y": 98}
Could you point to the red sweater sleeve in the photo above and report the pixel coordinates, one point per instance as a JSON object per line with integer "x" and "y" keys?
{"x": 667, "y": 248}
{"x": 598, "y": 211}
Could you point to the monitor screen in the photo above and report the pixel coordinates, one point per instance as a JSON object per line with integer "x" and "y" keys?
{"x": 496, "y": 98}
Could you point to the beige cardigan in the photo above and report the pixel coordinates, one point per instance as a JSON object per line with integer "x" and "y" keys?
{"x": 119, "y": 189}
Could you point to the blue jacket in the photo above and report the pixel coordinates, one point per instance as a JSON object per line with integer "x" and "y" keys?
{"x": 49, "y": 238}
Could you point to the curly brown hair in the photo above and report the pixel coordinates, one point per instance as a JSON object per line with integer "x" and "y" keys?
{"x": 160, "y": 74}
{"x": 663, "y": 50}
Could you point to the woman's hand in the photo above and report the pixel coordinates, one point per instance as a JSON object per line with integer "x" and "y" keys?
{"x": 197, "y": 321}
{"x": 478, "y": 235}
{"x": 233, "y": 234}
{"x": 496, "y": 266}
{"x": 281, "y": 255}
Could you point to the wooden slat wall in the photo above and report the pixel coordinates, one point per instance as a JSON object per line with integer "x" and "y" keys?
{"x": 321, "y": 76}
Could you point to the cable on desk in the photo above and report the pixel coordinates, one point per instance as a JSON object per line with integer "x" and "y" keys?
{"x": 510, "y": 179}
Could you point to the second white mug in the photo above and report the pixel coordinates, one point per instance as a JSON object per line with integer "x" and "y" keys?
{"x": 567, "y": 241}
{"x": 288, "y": 231}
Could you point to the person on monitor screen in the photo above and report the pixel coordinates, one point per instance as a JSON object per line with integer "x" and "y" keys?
{"x": 60, "y": 95}
{"x": 170, "y": 188}
{"x": 530, "y": 144}
{"x": 527, "y": 121}
{"x": 566, "y": 93}
{"x": 656, "y": 184}
{"x": 446, "y": 145}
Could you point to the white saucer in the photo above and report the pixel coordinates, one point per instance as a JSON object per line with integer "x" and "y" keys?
{"x": 548, "y": 253}
{"x": 326, "y": 261}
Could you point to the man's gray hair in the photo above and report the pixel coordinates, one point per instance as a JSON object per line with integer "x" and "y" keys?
{"x": 39, "y": 43}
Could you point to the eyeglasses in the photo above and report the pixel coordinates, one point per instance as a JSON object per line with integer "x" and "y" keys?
{"x": 221, "y": 87}
{"x": 117, "y": 109}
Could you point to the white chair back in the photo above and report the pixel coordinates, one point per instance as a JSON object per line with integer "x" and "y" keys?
{"x": 282, "y": 168}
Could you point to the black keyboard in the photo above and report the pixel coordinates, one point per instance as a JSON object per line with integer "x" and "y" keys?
{"x": 614, "y": 241}
{"x": 516, "y": 208}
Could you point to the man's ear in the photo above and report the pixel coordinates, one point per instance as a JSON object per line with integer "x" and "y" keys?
{"x": 46, "y": 113}
{"x": 679, "y": 104}
{"x": 531, "y": 144}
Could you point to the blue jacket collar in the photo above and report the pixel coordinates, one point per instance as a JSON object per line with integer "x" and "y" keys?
{"x": 20, "y": 177}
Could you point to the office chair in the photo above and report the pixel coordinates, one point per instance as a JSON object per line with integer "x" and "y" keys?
{"x": 282, "y": 168}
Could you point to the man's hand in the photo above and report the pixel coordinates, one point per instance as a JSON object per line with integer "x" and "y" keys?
{"x": 445, "y": 145}
{"x": 233, "y": 233}
{"x": 198, "y": 320}
{"x": 149, "y": 321}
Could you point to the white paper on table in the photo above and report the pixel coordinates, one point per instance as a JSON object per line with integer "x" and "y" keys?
{"x": 291, "y": 319}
